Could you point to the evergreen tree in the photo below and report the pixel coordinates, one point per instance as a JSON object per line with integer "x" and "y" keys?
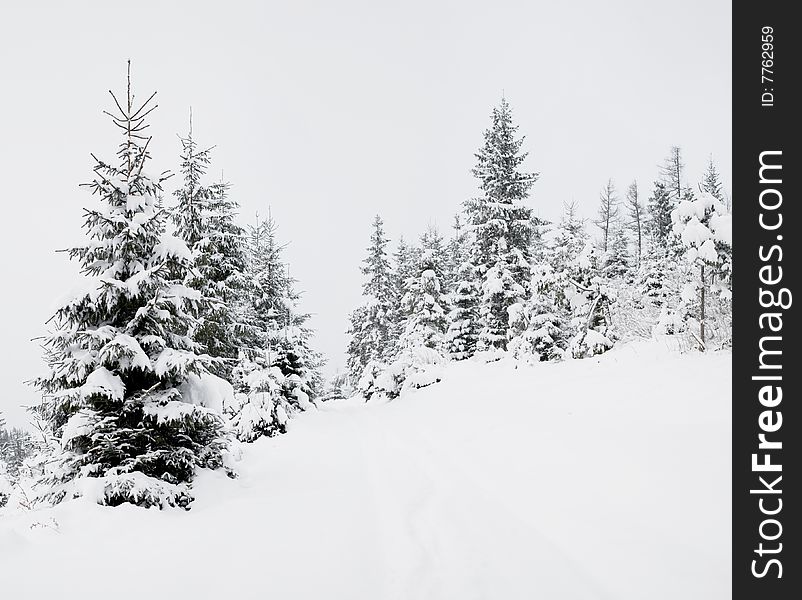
{"x": 502, "y": 225}
{"x": 571, "y": 233}
{"x": 278, "y": 372}
{"x": 617, "y": 260}
{"x": 704, "y": 229}
{"x": 463, "y": 297}
{"x": 405, "y": 260}
{"x": 16, "y": 445}
{"x": 121, "y": 354}
{"x": 463, "y": 328}
{"x": 659, "y": 223}
{"x": 337, "y": 388}
{"x": 672, "y": 172}
{"x": 423, "y": 304}
{"x": 204, "y": 219}
{"x": 711, "y": 182}
{"x": 457, "y": 251}
{"x": 543, "y": 325}
{"x": 539, "y": 227}
{"x": 191, "y": 214}
{"x": 372, "y": 322}
{"x": 657, "y": 264}
{"x": 271, "y": 292}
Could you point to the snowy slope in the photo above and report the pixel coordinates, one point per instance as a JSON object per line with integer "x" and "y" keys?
{"x": 602, "y": 478}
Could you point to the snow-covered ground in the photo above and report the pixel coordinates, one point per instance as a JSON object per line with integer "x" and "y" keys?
{"x": 601, "y": 478}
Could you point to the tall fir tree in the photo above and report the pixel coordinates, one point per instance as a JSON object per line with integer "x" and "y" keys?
{"x": 372, "y": 322}
{"x": 204, "y": 217}
{"x": 502, "y": 225}
{"x": 121, "y": 355}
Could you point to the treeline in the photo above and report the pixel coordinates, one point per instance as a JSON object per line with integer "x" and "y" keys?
{"x": 508, "y": 282}
{"x": 185, "y": 333}
{"x": 16, "y": 446}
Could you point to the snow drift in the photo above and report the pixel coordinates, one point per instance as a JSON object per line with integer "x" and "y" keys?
{"x": 602, "y": 478}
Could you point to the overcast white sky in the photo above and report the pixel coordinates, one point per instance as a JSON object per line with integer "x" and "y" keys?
{"x": 331, "y": 112}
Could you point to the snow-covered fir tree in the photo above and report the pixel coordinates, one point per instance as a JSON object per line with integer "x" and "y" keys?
{"x": 424, "y": 305}
{"x": 120, "y": 356}
{"x": 463, "y": 328}
{"x": 404, "y": 266}
{"x": 704, "y": 229}
{"x": 205, "y": 219}
{"x": 658, "y": 223}
{"x": 337, "y": 387}
{"x": 372, "y": 322}
{"x": 711, "y": 184}
{"x": 672, "y": 175}
{"x": 502, "y": 226}
{"x": 463, "y": 297}
{"x": 16, "y": 445}
{"x": 414, "y": 360}
{"x": 278, "y": 372}
{"x": 542, "y": 324}
{"x": 617, "y": 258}
{"x": 457, "y": 251}
{"x": 659, "y": 259}
{"x": 405, "y": 260}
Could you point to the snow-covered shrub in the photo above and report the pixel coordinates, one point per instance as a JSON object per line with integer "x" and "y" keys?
{"x": 589, "y": 342}
{"x": 337, "y": 388}
{"x": 538, "y": 328}
{"x": 366, "y": 384}
{"x": 5, "y": 485}
{"x": 414, "y": 368}
{"x": 259, "y": 408}
{"x": 589, "y": 297}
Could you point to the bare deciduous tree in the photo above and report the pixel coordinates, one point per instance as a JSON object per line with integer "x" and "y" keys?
{"x": 608, "y": 212}
{"x": 635, "y": 209}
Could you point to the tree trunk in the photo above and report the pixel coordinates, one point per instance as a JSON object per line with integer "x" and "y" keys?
{"x": 702, "y": 309}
